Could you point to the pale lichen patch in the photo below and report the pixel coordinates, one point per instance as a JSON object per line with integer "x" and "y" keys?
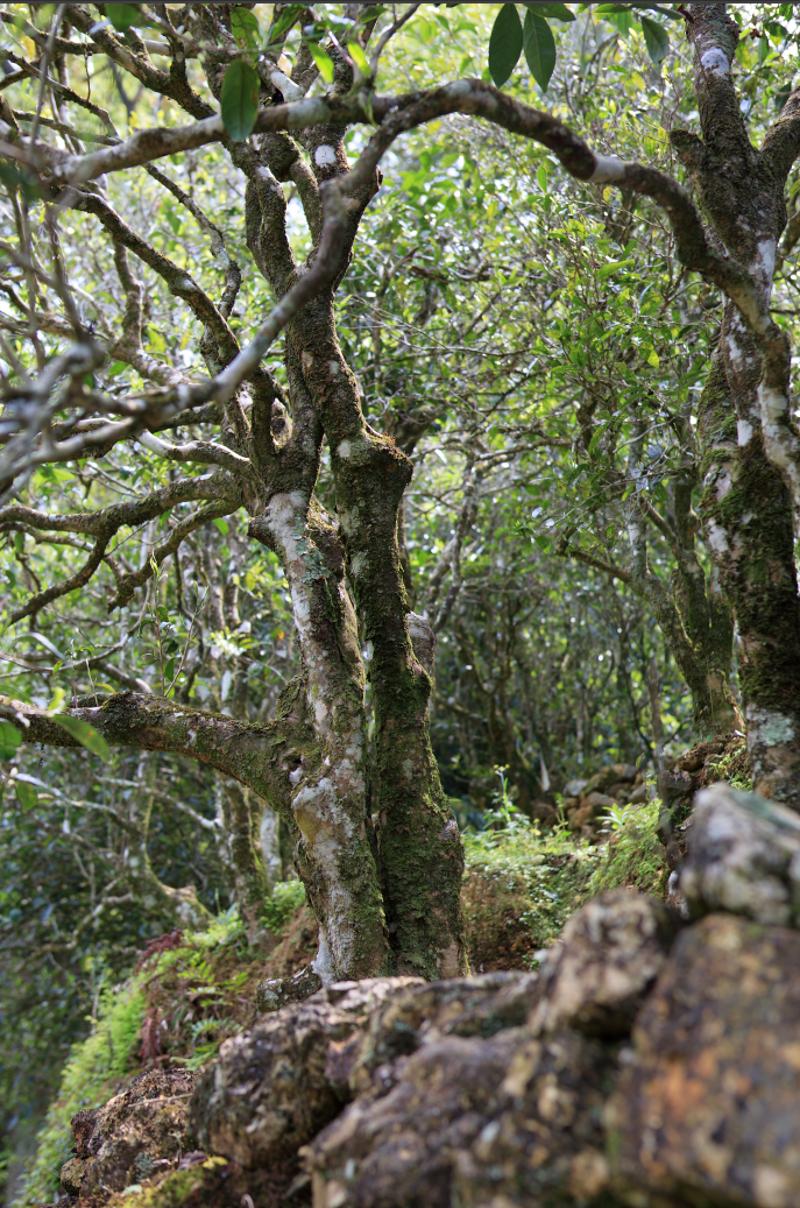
{"x": 324, "y": 156}
{"x": 716, "y": 62}
{"x": 744, "y": 432}
{"x": 607, "y": 168}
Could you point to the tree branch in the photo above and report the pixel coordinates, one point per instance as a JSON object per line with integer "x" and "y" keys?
{"x": 241, "y": 750}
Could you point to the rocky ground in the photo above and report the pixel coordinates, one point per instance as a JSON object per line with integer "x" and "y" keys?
{"x": 653, "y": 1059}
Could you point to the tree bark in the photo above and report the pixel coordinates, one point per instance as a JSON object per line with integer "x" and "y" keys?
{"x": 750, "y": 465}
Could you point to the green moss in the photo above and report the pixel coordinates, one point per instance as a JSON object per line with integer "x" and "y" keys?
{"x": 174, "y": 1189}
{"x": 92, "y": 1069}
{"x": 733, "y": 767}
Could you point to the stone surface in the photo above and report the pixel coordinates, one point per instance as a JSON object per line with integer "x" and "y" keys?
{"x": 269, "y": 1091}
{"x": 399, "y": 1148}
{"x": 707, "y": 1110}
{"x": 421, "y": 1014}
{"x": 543, "y": 1143}
{"x": 138, "y": 1132}
{"x": 512, "y": 1120}
{"x": 608, "y": 956}
{"x": 743, "y": 856}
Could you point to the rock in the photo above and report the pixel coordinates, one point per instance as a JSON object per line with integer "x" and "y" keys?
{"x": 583, "y": 815}
{"x": 612, "y": 774}
{"x": 639, "y": 794}
{"x": 470, "y": 1006}
{"x": 508, "y": 1121}
{"x": 269, "y": 1091}
{"x": 743, "y": 856}
{"x": 399, "y": 1149}
{"x": 574, "y": 788}
{"x": 595, "y": 803}
{"x": 277, "y": 992}
{"x": 707, "y": 1108}
{"x": 542, "y": 1143}
{"x": 139, "y": 1131}
{"x": 607, "y": 958}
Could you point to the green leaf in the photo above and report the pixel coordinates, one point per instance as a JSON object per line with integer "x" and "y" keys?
{"x": 239, "y": 99}
{"x": 356, "y": 52}
{"x": 10, "y": 739}
{"x": 26, "y": 794}
{"x": 283, "y": 23}
{"x": 610, "y": 270}
{"x": 558, "y": 12}
{"x": 244, "y": 27}
{"x": 85, "y": 734}
{"x": 123, "y": 16}
{"x": 13, "y": 178}
{"x": 505, "y": 44}
{"x": 540, "y": 48}
{"x": 656, "y": 39}
{"x": 221, "y": 523}
{"x": 323, "y": 61}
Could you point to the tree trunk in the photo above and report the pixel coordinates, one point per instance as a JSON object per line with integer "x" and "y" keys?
{"x": 329, "y": 785}
{"x": 241, "y": 815}
{"x": 419, "y": 847}
{"x": 749, "y": 475}
{"x": 748, "y": 511}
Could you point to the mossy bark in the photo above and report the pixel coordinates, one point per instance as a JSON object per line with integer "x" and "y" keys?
{"x": 328, "y": 793}
{"x": 419, "y": 848}
{"x": 747, "y": 508}
{"x": 748, "y": 475}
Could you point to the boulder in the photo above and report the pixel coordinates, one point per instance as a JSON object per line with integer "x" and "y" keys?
{"x": 707, "y": 1110}
{"x": 422, "y": 1014}
{"x": 609, "y": 954}
{"x": 270, "y": 1090}
{"x": 399, "y": 1148}
{"x": 512, "y": 1120}
{"x": 574, "y": 788}
{"x": 140, "y": 1131}
{"x": 743, "y": 856}
{"x": 542, "y": 1143}
{"x": 583, "y": 815}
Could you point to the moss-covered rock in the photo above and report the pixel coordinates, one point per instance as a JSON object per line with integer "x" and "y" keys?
{"x": 139, "y": 1131}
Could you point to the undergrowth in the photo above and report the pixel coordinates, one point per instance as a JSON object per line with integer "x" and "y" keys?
{"x": 523, "y": 882}
{"x": 180, "y": 1004}
{"x": 88, "y": 1078}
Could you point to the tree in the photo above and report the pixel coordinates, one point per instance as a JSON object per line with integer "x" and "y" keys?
{"x": 291, "y": 443}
